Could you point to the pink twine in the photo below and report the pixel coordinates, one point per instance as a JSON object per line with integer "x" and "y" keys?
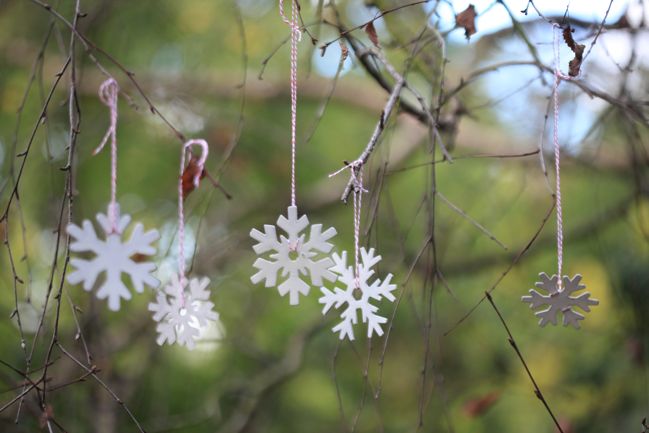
{"x": 558, "y": 76}
{"x": 108, "y": 92}
{"x": 296, "y": 36}
{"x": 181, "y": 211}
{"x": 356, "y": 174}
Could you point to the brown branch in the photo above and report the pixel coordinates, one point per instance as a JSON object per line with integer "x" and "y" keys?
{"x": 91, "y": 371}
{"x": 511, "y": 266}
{"x": 378, "y": 130}
{"x": 512, "y": 342}
{"x": 90, "y": 47}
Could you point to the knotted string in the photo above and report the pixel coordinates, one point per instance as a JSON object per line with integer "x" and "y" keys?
{"x": 181, "y": 211}
{"x": 356, "y": 175}
{"x": 558, "y": 76}
{"x": 296, "y": 36}
{"x": 108, "y": 92}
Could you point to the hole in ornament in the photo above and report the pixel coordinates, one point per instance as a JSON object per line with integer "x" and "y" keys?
{"x": 357, "y": 293}
{"x": 183, "y": 312}
{"x": 293, "y": 254}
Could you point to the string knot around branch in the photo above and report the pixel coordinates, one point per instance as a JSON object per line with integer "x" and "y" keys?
{"x": 355, "y": 179}
{"x": 108, "y": 92}
{"x": 293, "y": 21}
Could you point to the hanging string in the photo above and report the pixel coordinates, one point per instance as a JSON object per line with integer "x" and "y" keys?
{"x": 108, "y": 92}
{"x": 558, "y": 76}
{"x": 181, "y": 211}
{"x": 356, "y": 175}
{"x": 296, "y": 36}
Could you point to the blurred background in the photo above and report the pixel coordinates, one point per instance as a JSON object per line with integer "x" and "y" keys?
{"x": 447, "y": 229}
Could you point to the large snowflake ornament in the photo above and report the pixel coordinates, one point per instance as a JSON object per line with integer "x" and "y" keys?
{"x": 113, "y": 256}
{"x": 559, "y": 300}
{"x": 182, "y": 314}
{"x": 357, "y": 294}
{"x": 291, "y": 256}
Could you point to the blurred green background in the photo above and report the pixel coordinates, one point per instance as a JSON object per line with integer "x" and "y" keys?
{"x": 269, "y": 367}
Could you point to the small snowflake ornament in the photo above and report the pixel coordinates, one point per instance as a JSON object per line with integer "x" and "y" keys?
{"x": 183, "y": 314}
{"x": 292, "y": 256}
{"x": 113, "y": 256}
{"x": 559, "y": 300}
{"x": 357, "y": 294}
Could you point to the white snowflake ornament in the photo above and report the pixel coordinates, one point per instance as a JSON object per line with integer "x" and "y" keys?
{"x": 182, "y": 314}
{"x": 357, "y": 294}
{"x": 559, "y": 300}
{"x": 113, "y": 257}
{"x": 292, "y": 257}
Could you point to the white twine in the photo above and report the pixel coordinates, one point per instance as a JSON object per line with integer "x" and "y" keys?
{"x": 296, "y": 36}
{"x": 558, "y": 76}
{"x": 356, "y": 175}
{"x": 108, "y": 92}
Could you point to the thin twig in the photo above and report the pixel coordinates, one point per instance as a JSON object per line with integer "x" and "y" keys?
{"x": 512, "y": 342}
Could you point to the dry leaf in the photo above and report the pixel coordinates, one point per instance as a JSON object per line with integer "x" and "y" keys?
{"x": 566, "y": 426}
{"x": 188, "y": 176}
{"x": 46, "y": 415}
{"x": 479, "y": 406}
{"x": 344, "y": 51}
{"x": 371, "y": 33}
{"x": 575, "y": 64}
{"x": 466, "y": 19}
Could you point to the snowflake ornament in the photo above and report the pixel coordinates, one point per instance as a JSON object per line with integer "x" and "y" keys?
{"x": 559, "y": 300}
{"x": 357, "y": 294}
{"x": 112, "y": 256}
{"x": 292, "y": 256}
{"x": 182, "y": 314}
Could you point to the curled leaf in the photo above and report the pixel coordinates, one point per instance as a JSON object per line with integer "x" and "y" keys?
{"x": 371, "y": 33}
{"x": 478, "y": 406}
{"x": 574, "y": 66}
{"x": 190, "y": 172}
{"x": 344, "y": 51}
{"x": 466, "y": 20}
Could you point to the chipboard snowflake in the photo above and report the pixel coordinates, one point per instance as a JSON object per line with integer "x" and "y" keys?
{"x": 291, "y": 256}
{"x": 357, "y": 294}
{"x": 559, "y": 300}
{"x": 113, "y": 256}
{"x": 183, "y": 314}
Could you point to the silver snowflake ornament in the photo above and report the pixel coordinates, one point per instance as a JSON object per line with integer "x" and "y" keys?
{"x": 113, "y": 256}
{"x": 183, "y": 311}
{"x": 357, "y": 294}
{"x": 559, "y": 300}
{"x": 292, "y": 256}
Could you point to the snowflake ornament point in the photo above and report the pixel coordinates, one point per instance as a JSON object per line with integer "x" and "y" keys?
{"x": 112, "y": 256}
{"x": 377, "y": 290}
{"x": 291, "y": 256}
{"x": 559, "y": 300}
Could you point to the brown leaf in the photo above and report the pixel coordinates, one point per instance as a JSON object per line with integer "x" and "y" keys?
{"x": 622, "y": 23}
{"x": 574, "y": 65}
{"x": 566, "y": 426}
{"x": 46, "y": 415}
{"x": 466, "y": 19}
{"x": 188, "y": 176}
{"x": 567, "y": 36}
{"x": 479, "y": 406}
{"x": 371, "y": 33}
{"x": 344, "y": 51}
{"x": 635, "y": 349}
